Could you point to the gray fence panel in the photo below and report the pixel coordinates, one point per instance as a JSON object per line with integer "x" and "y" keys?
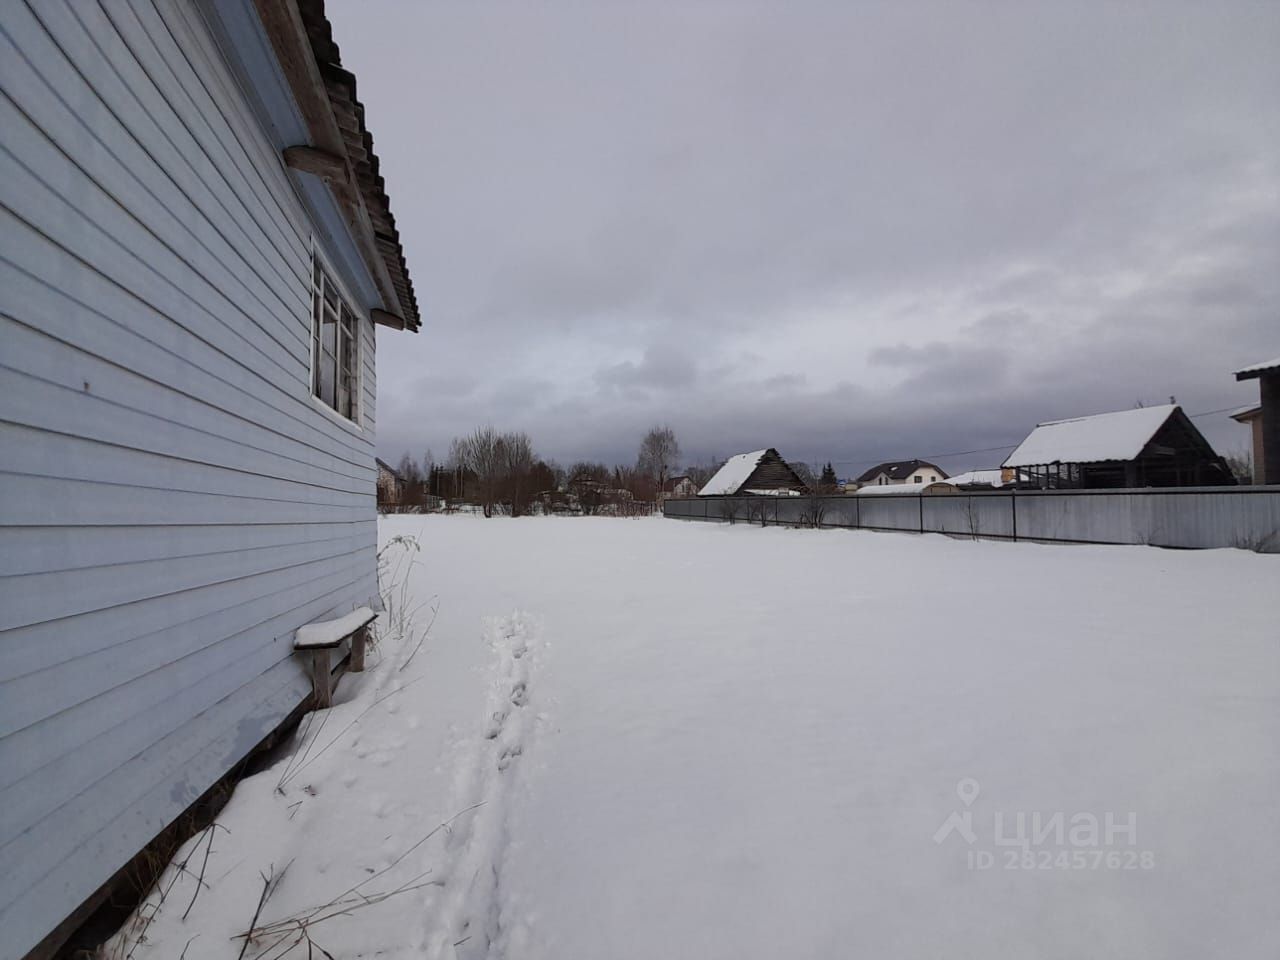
{"x": 1247, "y": 517}
{"x": 947, "y": 514}
{"x": 1102, "y": 519}
{"x": 1213, "y": 520}
{"x": 992, "y": 515}
{"x": 965, "y": 515}
{"x": 890, "y": 512}
{"x": 839, "y": 512}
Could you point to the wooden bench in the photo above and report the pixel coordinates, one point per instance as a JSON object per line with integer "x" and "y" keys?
{"x": 321, "y": 638}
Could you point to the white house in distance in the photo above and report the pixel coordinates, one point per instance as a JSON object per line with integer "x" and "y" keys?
{"x": 679, "y": 486}
{"x": 902, "y": 471}
{"x": 195, "y": 248}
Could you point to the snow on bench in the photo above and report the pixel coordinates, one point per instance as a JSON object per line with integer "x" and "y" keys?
{"x": 320, "y": 637}
{"x": 330, "y": 633}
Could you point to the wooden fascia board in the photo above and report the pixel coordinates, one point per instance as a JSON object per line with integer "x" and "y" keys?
{"x": 320, "y": 163}
{"x": 387, "y": 319}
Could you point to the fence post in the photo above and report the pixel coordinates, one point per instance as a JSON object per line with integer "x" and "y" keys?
{"x": 921, "y": 496}
{"x": 1013, "y": 509}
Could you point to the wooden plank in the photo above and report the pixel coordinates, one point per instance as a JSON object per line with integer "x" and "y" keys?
{"x": 28, "y": 550}
{"x": 161, "y": 109}
{"x": 40, "y": 796}
{"x": 167, "y": 266}
{"x": 387, "y": 319}
{"x": 40, "y": 597}
{"x": 27, "y": 501}
{"x": 359, "y": 640}
{"x": 121, "y": 819}
{"x": 139, "y": 180}
{"x": 78, "y": 745}
{"x": 192, "y": 459}
{"x": 321, "y": 678}
{"x": 319, "y": 163}
{"x": 229, "y": 607}
{"x": 179, "y": 32}
{"x": 60, "y": 448}
{"x": 121, "y": 235}
{"x": 233, "y": 142}
{"x": 130, "y": 468}
{"x": 158, "y": 349}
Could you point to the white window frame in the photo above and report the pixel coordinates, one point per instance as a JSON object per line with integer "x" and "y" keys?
{"x": 331, "y": 278}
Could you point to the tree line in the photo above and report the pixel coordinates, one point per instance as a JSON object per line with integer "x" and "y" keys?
{"x": 500, "y": 472}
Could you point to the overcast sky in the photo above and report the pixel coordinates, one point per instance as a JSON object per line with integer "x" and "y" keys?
{"x": 854, "y": 231}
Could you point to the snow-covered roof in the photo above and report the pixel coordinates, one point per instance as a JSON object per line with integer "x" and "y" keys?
{"x": 780, "y": 492}
{"x": 900, "y": 488}
{"x": 993, "y": 477}
{"x": 1105, "y": 436}
{"x": 730, "y": 477}
{"x": 1257, "y": 368}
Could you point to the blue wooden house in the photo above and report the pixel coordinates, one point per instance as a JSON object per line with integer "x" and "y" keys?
{"x": 195, "y": 247}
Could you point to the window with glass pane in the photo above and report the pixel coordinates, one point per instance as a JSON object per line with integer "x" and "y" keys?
{"x": 335, "y": 346}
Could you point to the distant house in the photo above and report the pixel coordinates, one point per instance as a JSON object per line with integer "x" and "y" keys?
{"x": 197, "y": 247}
{"x": 680, "y": 486}
{"x": 761, "y": 472}
{"x": 1144, "y": 447}
{"x": 390, "y": 485}
{"x": 1264, "y": 419}
{"x": 902, "y": 471}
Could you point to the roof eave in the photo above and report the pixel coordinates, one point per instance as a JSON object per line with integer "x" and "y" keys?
{"x": 1255, "y": 374}
{"x": 295, "y": 31}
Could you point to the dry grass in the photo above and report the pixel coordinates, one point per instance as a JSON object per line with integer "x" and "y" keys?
{"x": 276, "y": 939}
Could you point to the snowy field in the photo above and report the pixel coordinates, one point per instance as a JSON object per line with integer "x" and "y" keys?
{"x": 657, "y": 739}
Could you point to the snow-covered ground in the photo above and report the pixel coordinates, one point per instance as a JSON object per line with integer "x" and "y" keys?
{"x": 651, "y": 738}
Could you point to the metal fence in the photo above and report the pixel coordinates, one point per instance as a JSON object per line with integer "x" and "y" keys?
{"x": 1193, "y": 517}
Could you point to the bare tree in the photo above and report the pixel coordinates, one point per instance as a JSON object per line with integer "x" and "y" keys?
{"x": 515, "y": 453}
{"x": 408, "y": 469}
{"x": 730, "y": 508}
{"x": 481, "y": 453}
{"x": 659, "y": 452}
{"x": 700, "y": 473}
{"x": 1240, "y": 463}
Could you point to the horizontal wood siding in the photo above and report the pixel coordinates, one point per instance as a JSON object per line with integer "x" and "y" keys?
{"x": 173, "y": 503}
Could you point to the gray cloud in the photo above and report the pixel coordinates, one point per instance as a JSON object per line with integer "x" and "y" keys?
{"x": 853, "y": 232}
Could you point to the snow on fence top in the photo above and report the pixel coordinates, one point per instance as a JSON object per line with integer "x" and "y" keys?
{"x": 328, "y": 633}
{"x": 731, "y": 477}
{"x": 1105, "y": 436}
